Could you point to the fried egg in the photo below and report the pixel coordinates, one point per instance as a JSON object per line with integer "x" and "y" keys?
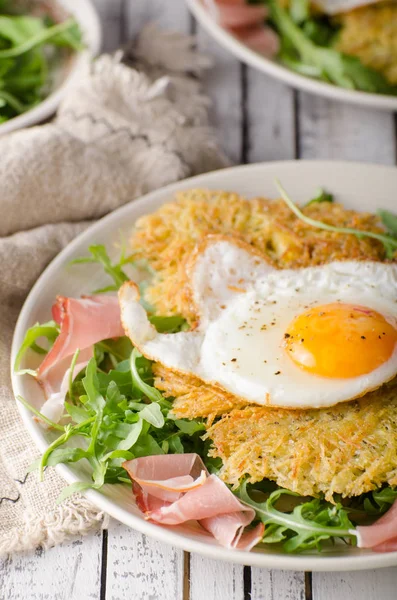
{"x": 303, "y": 338}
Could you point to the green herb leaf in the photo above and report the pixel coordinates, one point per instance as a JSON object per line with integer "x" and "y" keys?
{"x": 132, "y": 437}
{"x": 305, "y": 527}
{"x": 389, "y": 220}
{"x": 380, "y": 501}
{"x": 148, "y": 390}
{"x": 153, "y": 415}
{"x": 299, "y": 10}
{"x": 321, "y": 196}
{"x": 389, "y": 242}
{"x": 74, "y": 488}
{"x": 329, "y": 64}
{"x": 114, "y": 270}
{"x": 49, "y": 330}
{"x": 168, "y": 324}
{"x": 189, "y": 427}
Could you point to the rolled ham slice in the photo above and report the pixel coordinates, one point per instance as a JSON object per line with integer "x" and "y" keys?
{"x": 259, "y": 38}
{"x": 84, "y": 322}
{"x": 245, "y": 22}
{"x": 175, "y": 488}
{"x": 382, "y": 535}
{"x": 240, "y": 14}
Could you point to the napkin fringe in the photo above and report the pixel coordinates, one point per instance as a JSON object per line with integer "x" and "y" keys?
{"x": 76, "y": 517}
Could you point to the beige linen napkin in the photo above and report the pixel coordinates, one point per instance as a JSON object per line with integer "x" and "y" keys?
{"x": 124, "y": 131}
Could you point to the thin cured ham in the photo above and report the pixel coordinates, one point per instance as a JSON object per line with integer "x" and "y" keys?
{"x": 261, "y": 39}
{"x": 246, "y": 22}
{"x": 83, "y": 322}
{"x": 173, "y": 489}
{"x": 240, "y": 14}
{"x": 382, "y": 535}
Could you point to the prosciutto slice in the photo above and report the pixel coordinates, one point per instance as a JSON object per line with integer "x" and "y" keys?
{"x": 173, "y": 489}
{"x": 84, "y": 322}
{"x": 246, "y": 22}
{"x": 382, "y": 535}
{"x": 240, "y": 14}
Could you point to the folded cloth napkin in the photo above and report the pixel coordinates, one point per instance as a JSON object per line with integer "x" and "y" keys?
{"x": 135, "y": 122}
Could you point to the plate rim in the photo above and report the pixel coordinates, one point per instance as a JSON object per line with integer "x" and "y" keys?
{"x": 282, "y": 73}
{"x": 255, "y": 558}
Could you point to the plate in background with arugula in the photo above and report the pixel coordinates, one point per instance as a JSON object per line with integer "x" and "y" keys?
{"x": 44, "y": 47}
{"x": 345, "y": 71}
{"x": 358, "y": 186}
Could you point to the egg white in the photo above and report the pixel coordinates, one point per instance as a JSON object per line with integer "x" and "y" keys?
{"x": 238, "y": 342}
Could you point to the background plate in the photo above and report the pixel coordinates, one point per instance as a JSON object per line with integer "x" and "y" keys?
{"x": 358, "y": 186}
{"x": 87, "y": 18}
{"x": 277, "y": 70}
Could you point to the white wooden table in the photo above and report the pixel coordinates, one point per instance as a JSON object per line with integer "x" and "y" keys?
{"x": 257, "y": 119}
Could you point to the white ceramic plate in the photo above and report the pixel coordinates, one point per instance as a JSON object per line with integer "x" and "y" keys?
{"x": 87, "y": 18}
{"x": 362, "y": 187}
{"x": 278, "y": 71}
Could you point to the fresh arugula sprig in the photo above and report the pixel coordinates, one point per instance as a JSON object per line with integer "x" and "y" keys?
{"x": 49, "y": 330}
{"x": 320, "y": 196}
{"x": 300, "y": 53}
{"x": 379, "y": 501}
{"x": 306, "y": 526}
{"x": 120, "y": 415}
{"x": 389, "y": 221}
{"x": 30, "y": 47}
{"x": 389, "y": 242}
{"x": 99, "y": 255}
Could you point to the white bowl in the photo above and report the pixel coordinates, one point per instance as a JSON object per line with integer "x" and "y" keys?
{"x": 88, "y": 20}
{"x": 278, "y": 71}
{"x": 358, "y": 186}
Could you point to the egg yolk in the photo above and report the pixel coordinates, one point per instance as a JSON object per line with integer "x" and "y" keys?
{"x": 340, "y": 340}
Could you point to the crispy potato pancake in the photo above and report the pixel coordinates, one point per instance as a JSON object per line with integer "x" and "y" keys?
{"x": 370, "y": 33}
{"x": 347, "y": 449}
{"x": 166, "y": 238}
{"x": 194, "y": 398}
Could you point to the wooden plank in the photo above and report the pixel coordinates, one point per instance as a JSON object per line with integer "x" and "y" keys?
{"x": 70, "y": 571}
{"x": 172, "y": 15}
{"x": 340, "y": 131}
{"x": 223, "y": 84}
{"x": 139, "y": 568}
{"x": 215, "y": 580}
{"x": 362, "y": 585}
{"x": 277, "y": 585}
{"x": 110, "y": 14}
{"x": 270, "y": 119}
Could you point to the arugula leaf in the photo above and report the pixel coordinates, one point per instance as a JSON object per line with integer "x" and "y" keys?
{"x": 121, "y": 416}
{"x": 168, "y": 324}
{"x": 329, "y": 64}
{"x": 189, "y": 427}
{"x": 305, "y": 527}
{"x": 389, "y": 220}
{"x": 299, "y": 10}
{"x": 149, "y": 391}
{"x": 380, "y": 501}
{"x": 49, "y": 330}
{"x": 39, "y": 414}
{"x": 153, "y": 415}
{"x": 100, "y": 256}
{"x": 389, "y": 242}
{"x": 321, "y": 196}
{"x": 30, "y": 49}
{"x": 40, "y": 37}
